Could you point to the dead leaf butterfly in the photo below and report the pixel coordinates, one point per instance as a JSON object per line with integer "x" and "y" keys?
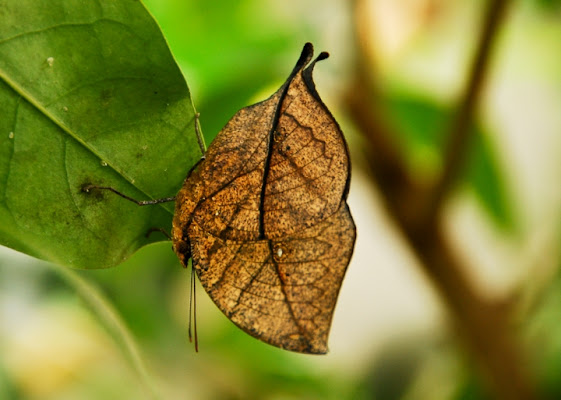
{"x": 264, "y": 218}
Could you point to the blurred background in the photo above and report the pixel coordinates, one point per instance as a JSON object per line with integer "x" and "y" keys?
{"x": 446, "y": 312}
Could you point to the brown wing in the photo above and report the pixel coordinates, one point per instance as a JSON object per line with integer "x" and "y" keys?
{"x": 309, "y": 164}
{"x": 273, "y": 182}
{"x": 280, "y": 291}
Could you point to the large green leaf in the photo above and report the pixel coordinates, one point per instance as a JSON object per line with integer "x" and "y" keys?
{"x": 89, "y": 93}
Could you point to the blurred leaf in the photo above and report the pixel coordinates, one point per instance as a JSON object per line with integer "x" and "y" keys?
{"x": 483, "y": 174}
{"x": 89, "y": 93}
{"x": 548, "y": 5}
{"x": 8, "y": 389}
{"x": 422, "y": 125}
{"x": 471, "y": 390}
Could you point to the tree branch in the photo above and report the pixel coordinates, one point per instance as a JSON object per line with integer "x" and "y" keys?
{"x": 385, "y": 160}
{"x": 459, "y": 132}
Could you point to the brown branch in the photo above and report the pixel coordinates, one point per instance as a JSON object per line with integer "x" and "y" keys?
{"x": 384, "y": 158}
{"x": 484, "y": 325}
{"x": 459, "y": 131}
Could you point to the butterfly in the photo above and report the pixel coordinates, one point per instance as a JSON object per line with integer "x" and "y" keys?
{"x": 264, "y": 219}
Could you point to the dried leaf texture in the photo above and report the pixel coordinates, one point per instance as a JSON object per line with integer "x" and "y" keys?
{"x": 265, "y": 220}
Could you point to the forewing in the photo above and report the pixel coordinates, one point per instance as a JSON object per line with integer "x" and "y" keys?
{"x": 309, "y": 167}
{"x": 222, "y": 194}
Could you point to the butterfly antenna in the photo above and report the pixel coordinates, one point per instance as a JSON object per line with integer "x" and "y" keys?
{"x": 193, "y": 312}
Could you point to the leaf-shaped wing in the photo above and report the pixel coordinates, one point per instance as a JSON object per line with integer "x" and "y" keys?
{"x": 264, "y": 216}
{"x": 280, "y": 291}
{"x": 309, "y": 162}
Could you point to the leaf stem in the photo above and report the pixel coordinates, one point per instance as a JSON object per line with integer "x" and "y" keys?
{"x": 112, "y": 321}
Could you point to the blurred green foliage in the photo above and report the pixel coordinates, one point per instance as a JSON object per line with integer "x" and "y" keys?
{"x": 230, "y": 52}
{"x": 549, "y": 5}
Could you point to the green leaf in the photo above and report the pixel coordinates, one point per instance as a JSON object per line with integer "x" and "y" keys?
{"x": 422, "y": 125}
{"x": 89, "y": 93}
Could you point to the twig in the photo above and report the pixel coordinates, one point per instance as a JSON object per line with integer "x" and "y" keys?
{"x": 113, "y": 322}
{"x": 459, "y": 132}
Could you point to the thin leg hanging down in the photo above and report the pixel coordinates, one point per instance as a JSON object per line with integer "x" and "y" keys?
{"x": 193, "y": 311}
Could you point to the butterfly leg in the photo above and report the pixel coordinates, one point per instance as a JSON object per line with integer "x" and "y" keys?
{"x": 89, "y": 187}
